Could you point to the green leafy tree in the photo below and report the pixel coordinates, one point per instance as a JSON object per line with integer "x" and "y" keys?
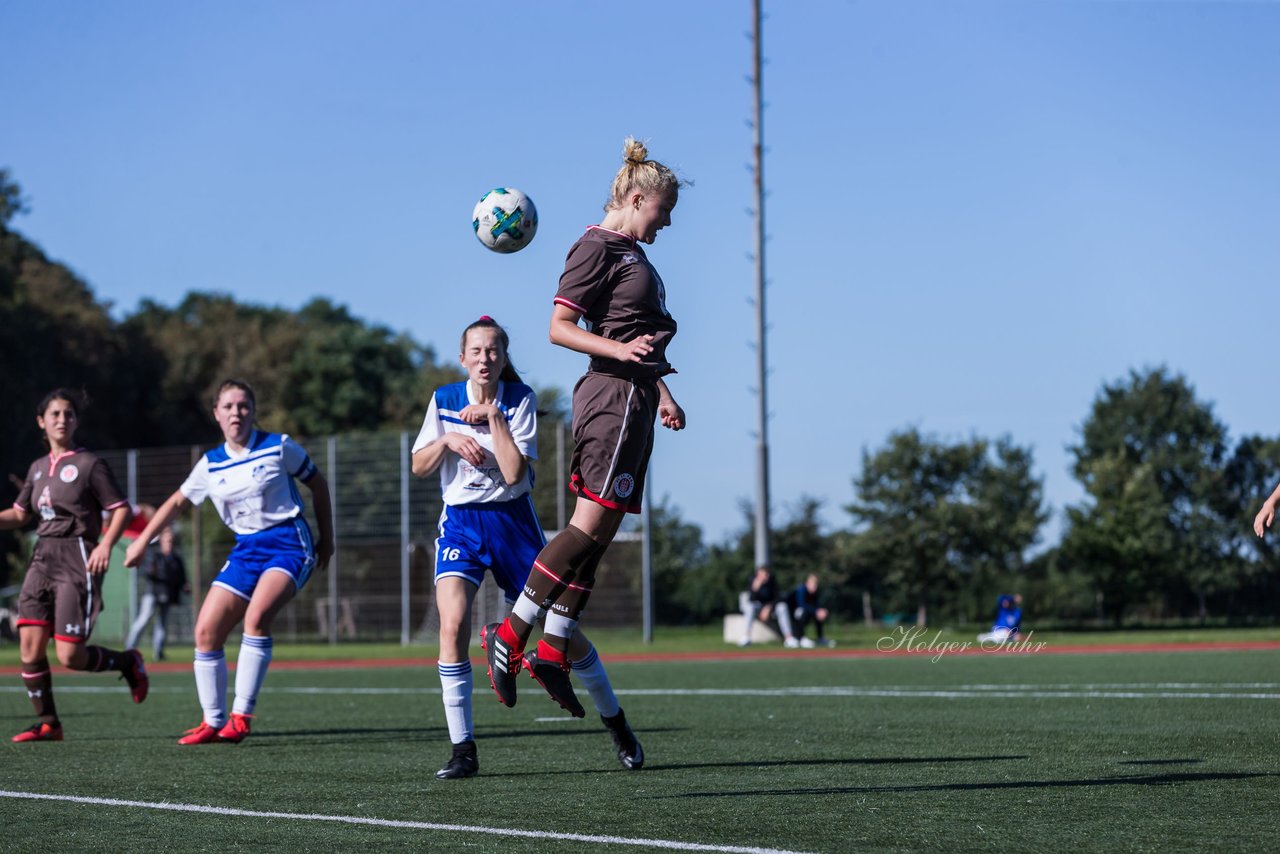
{"x": 11, "y": 201}
{"x": 933, "y": 519}
{"x": 1151, "y": 458}
{"x": 799, "y": 545}
{"x": 679, "y": 560}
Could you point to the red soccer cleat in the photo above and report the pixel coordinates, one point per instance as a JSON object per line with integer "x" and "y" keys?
{"x": 236, "y": 729}
{"x": 553, "y": 676}
{"x": 39, "y": 732}
{"x": 136, "y": 675}
{"x": 202, "y": 734}
{"x": 504, "y": 663}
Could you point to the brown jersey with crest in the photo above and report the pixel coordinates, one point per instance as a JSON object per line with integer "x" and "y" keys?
{"x": 68, "y": 493}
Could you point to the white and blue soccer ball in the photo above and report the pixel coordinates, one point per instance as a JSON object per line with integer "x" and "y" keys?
{"x": 505, "y": 220}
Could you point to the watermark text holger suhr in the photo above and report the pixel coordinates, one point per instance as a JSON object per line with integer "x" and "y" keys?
{"x": 917, "y": 639}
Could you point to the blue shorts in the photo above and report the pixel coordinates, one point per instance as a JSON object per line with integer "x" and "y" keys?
{"x": 502, "y": 538}
{"x": 285, "y": 548}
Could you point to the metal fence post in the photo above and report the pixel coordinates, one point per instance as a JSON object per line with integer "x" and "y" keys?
{"x": 646, "y": 564}
{"x": 404, "y": 539}
{"x": 332, "y": 466}
{"x": 562, "y": 477}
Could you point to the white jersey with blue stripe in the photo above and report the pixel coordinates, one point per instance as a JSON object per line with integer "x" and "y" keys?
{"x": 252, "y": 489}
{"x": 461, "y": 482}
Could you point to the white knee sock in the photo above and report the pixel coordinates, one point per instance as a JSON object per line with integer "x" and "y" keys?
{"x": 455, "y": 687}
{"x": 211, "y": 686}
{"x": 251, "y": 669}
{"x": 590, "y": 670}
{"x": 561, "y": 627}
{"x": 527, "y": 610}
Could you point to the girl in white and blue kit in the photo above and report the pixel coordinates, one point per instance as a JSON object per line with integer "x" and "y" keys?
{"x": 481, "y": 434}
{"x": 250, "y": 478}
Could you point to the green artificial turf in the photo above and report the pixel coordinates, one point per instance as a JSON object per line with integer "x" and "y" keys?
{"x": 1109, "y": 751}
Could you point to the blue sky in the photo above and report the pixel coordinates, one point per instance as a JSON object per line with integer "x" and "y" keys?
{"x": 979, "y": 211}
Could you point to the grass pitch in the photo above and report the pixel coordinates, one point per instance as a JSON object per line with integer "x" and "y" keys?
{"x": 1040, "y": 752}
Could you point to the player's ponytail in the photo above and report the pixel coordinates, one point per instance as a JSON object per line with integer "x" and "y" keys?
{"x": 639, "y": 174}
{"x": 509, "y": 374}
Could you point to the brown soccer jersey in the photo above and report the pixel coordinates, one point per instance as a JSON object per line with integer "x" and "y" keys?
{"x": 609, "y": 281}
{"x": 68, "y": 493}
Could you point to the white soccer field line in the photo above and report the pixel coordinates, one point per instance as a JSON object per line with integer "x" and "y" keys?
{"x": 1054, "y": 691}
{"x": 671, "y": 844}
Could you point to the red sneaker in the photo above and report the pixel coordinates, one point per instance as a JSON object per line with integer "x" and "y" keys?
{"x": 39, "y": 732}
{"x": 202, "y": 734}
{"x": 136, "y": 675}
{"x": 236, "y": 729}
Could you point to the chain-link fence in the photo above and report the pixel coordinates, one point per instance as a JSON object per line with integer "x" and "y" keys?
{"x": 379, "y": 585}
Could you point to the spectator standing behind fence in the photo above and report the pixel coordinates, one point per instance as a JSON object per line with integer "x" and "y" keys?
{"x": 800, "y": 607}
{"x": 482, "y": 434}
{"x": 249, "y": 478}
{"x": 69, "y": 490}
{"x": 166, "y": 578}
{"x": 1008, "y": 620}
{"x": 757, "y": 601}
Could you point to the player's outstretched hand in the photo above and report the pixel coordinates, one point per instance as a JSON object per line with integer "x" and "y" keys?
{"x": 133, "y": 554}
{"x": 1264, "y": 518}
{"x": 99, "y": 559}
{"x": 671, "y": 414}
{"x": 324, "y": 552}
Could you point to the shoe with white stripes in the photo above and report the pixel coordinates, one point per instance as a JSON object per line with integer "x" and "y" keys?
{"x": 504, "y": 664}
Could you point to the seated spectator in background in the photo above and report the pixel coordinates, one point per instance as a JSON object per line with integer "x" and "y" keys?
{"x": 757, "y": 601}
{"x": 798, "y": 609}
{"x": 1008, "y": 620}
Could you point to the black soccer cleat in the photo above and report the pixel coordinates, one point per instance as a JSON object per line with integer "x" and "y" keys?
{"x": 135, "y": 675}
{"x": 463, "y": 763}
{"x": 504, "y": 665}
{"x": 554, "y": 679}
{"x": 630, "y": 753}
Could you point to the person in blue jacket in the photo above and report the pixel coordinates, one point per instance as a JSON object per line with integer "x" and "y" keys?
{"x": 1007, "y": 625}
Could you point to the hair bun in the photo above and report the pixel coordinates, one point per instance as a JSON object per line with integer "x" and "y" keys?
{"x": 634, "y": 151}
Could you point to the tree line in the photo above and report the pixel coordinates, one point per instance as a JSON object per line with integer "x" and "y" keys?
{"x": 936, "y": 528}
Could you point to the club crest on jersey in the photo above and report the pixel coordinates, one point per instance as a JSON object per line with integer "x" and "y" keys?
{"x": 624, "y": 485}
{"x": 68, "y": 473}
{"x": 45, "y": 503}
{"x": 260, "y": 473}
{"x": 39, "y": 474}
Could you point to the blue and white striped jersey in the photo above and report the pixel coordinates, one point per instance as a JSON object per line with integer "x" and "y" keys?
{"x": 461, "y": 482}
{"x": 253, "y": 489}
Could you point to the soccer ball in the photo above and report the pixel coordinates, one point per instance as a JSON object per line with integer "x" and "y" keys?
{"x": 505, "y": 220}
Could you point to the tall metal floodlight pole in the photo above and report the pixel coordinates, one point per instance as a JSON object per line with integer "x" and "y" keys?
{"x": 762, "y": 416}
